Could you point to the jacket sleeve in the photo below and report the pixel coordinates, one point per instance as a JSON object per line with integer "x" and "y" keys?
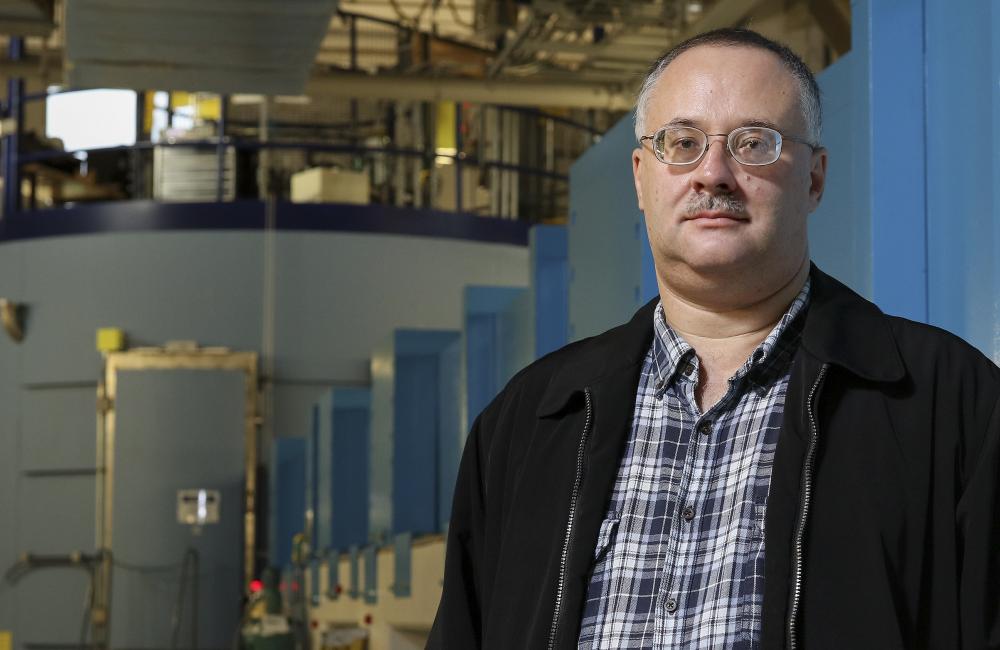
{"x": 978, "y": 515}
{"x": 458, "y": 624}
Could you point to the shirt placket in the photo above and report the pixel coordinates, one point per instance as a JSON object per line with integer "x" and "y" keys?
{"x": 672, "y": 612}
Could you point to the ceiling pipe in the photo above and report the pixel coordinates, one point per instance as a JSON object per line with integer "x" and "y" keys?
{"x": 526, "y": 92}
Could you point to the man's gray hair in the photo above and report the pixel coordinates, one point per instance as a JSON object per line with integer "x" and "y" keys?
{"x": 809, "y": 96}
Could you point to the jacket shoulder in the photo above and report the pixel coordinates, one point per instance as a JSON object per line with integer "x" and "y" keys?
{"x": 922, "y": 345}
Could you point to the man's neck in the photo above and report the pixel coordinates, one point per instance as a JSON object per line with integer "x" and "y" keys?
{"x": 690, "y": 317}
{"x": 723, "y": 337}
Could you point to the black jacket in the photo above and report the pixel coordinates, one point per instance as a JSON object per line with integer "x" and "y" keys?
{"x": 882, "y": 527}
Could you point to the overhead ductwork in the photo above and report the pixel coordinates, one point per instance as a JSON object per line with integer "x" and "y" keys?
{"x": 26, "y": 17}
{"x": 223, "y": 46}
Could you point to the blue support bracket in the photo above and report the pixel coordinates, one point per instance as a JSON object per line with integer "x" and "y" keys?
{"x": 371, "y": 577}
{"x": 314, "y": 581}
{"x": 333, "y": 575}
{"x": 402, "y": 584}
{"x": 354, "y": 588}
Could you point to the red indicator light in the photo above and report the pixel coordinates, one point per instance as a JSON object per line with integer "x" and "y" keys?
{"x": 314, "y": 624}
{"x": 255, "y": 586}
{"x": 339, "y": 590}
{"x": 368, "y": 619}
{"x": 295, "y": 586}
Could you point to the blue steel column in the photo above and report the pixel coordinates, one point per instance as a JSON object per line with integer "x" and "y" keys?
{"x": 890, "y": 35}
{"x": 458, "y": 156}
{"x": 962, "y": 210}
{"x": 15, "y": 95}
{"x": 221, "y": 151}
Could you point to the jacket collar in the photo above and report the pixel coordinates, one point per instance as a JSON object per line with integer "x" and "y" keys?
{"x": 622, "y": 346}
{"x": 841, "y": 328}
{"x": 844, "y": 329}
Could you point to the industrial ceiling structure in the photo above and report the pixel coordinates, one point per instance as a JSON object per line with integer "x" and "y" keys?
{"x": 566, "y": 53}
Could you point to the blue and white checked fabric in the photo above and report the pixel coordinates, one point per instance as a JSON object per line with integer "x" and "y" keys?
{"x": 679, "y": 561}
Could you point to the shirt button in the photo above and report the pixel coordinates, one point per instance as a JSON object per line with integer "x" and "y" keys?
{"x": 659, "y": 385}
{"x": 688, "y": 513}
{"x": 705, "y": 427}
{"x": 671, "y": 605}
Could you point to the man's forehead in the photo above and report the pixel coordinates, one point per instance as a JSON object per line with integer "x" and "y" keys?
{"x": 750, "y": 83}
{"x": 717, "y": 57}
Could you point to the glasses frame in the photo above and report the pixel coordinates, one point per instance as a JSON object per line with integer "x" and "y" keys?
{"x": 729, "y": 141}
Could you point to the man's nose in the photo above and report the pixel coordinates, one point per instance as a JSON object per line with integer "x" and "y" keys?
{"x": 714, "y": 173}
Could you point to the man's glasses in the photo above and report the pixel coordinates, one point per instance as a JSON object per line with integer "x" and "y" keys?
{"x": 748, "y": 145}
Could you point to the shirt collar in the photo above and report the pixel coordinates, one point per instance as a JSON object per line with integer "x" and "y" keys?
{"x": 673, "y": 355}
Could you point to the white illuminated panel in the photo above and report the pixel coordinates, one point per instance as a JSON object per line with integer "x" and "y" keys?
{"x": 91, "y": 119}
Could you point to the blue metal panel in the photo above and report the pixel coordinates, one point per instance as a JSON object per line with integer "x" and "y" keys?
{"x": 350, "y": 459}
{"x": 840, "y": 229}
{"x": 323, "y": 515}
{"x": 550, "y": 284}
{"x": 414, "y": 495}
{"x": 962, "y": 130}
{"x": 312, "y": 479}
{"x": 288, "y": 497}
{"x": 480, "y": 361}
{"x": 610, "y": 274}
{"x": 11, "y": 141}
{"x": 354, "y": 560}
{"x": 370, "y": 559}
{"x": 333, "y": 587}
{"x": 498, "y": 341}
{"x": 314, "y": 581}
{"x": 648, "y": 288}
{"x": 415, "y": 418}
{"x": 383, "y": 372}
{"x": 451, "y": 427}
{"x": 895, "y": 48}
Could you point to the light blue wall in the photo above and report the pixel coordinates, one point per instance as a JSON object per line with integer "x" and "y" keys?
{"x": 963, "y": 175}
{"x": 335, "y": 296}
{"x": 840, "y": 229}
{"x": 610, "y": 267}
{"x": 927, "y": 124}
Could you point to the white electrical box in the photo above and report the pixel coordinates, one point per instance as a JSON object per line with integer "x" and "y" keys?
{"x": 324, "y": 185}
{"x": 198, "y": 507}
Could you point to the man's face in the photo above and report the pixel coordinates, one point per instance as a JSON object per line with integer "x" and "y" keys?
{"x": 716, "y": 217}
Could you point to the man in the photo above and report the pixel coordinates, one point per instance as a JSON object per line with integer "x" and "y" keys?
{"x": 760, "y": 458}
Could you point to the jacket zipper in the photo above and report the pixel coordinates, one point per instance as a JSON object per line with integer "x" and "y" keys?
{"x": 569, "y": 524}
{"x": 807, "y": 476}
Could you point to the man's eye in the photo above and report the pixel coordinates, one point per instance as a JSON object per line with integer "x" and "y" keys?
{"x": 751, "y": 144}
{"x": 685, "y": 144}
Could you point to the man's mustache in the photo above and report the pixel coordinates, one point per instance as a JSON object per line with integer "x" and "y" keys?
{"x": 714, "y": 203}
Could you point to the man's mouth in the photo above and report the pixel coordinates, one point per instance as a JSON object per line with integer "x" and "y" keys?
{"x": 717, "y": 217}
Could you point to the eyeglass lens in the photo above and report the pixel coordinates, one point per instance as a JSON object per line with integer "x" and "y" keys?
{"x": 748, "y": 145}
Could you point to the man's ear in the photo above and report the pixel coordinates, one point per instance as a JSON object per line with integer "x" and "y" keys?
{"x": 637, "y": 175}
{"x": 817, "y": 178}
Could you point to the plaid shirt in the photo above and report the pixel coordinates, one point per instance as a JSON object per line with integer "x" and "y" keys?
{"x": 679, "y": 560}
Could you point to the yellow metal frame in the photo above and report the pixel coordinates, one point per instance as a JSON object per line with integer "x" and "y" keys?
{"x": 180, "y": 358}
